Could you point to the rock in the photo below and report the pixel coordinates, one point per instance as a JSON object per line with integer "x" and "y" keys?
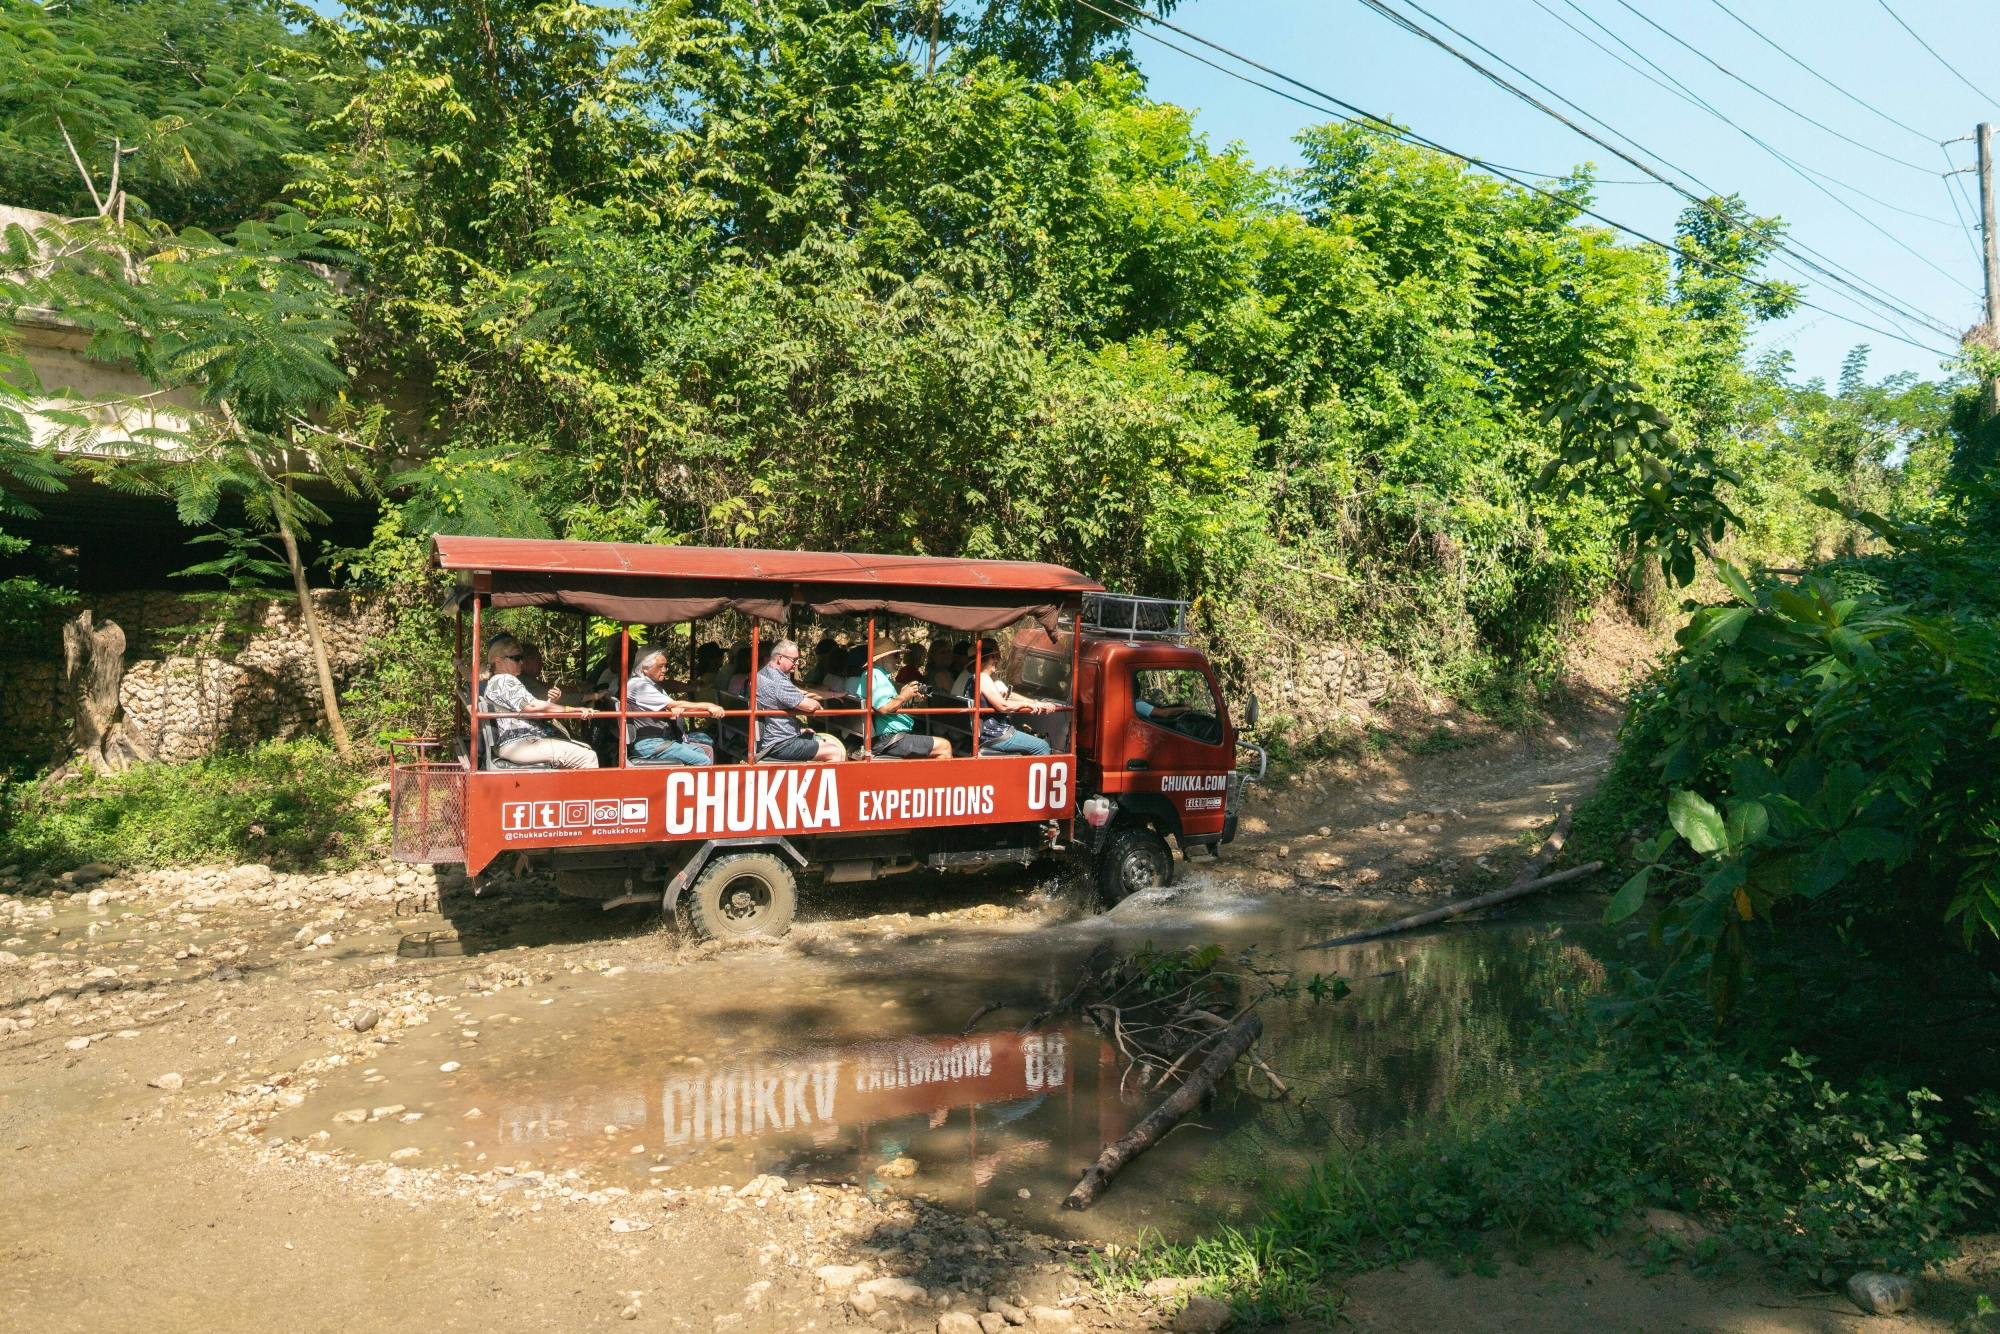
{"x": 991, "y": 1322}
{"x": 839, "y": 1278}
{"x": 227, "y": 972}
{"x": 630, "y": 1225}
{"x": 96, "y": 899}
{"x": 897, "y": 1168}
{"x": 1007, "y": 1311}
{"x": 170, "y": 1082}
{"x": 365, "y": 1020}
{"x": 1201, "y": 1315}
{"x": 958, "y": 1322}
{"x": 382, "y": 1113}
{"x": 1051, "y": 1317}
{"x": 763, "y": 1186}
{"x": 91, "y": 872}
{"x": 77, "y": 1044}
{"x": 1166, "y": 1289}
{"x": 448, "y": 1066}
{"x": 406, "y": 1155}
{"x": 352, "y": 1117}
{"x": 252, "y": 875}
{"x": 630, "y": 1313}
{"x": 1882, "y": 1294}
{"x": 1678, "y": 1228}
{"x": 889, "y": 1289}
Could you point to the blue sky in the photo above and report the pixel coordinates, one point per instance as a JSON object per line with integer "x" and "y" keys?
{"x": 1344, "y": 48}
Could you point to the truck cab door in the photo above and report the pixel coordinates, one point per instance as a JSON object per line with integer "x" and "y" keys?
{"x": 1176, "y": 743}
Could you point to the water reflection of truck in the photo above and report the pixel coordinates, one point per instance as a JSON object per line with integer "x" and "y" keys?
{"x": 1141, "y": 743}
{"x": 850, "y": 1108}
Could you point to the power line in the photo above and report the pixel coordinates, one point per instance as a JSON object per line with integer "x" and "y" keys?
{"x": 1669, "y": 83}
{"x": 1768, "y": 97}
{"x": 1844, "y": 92}
{"x": 1934, "y": 54}
{"x": 1417, "y": 29}
{"x": 1953, "y": 189}
{"x": 1383, "y": 125}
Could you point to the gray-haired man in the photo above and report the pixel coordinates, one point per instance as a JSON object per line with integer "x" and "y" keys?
{"x": 780, "y": 739}
{"x": 663, "y": 740}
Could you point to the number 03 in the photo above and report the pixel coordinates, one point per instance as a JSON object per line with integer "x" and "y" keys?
{"x": 1048, "y": 786}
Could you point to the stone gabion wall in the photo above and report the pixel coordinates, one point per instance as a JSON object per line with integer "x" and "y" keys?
{"x": 1318, "y": 685}
{"x": 199, "y": 674}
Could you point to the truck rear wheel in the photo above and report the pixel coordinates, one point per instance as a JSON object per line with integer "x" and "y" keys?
{"x": 743, "y": 895}
{"x": 1133, "y": 860}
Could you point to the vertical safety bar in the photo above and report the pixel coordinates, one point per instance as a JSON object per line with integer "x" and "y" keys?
{"x": 472, "y": 697}
{"x": 622, "y": 687}
{"x": 978, "y": 688}
{"x": 756, "y": 629}
{"x": 868, "y": 696}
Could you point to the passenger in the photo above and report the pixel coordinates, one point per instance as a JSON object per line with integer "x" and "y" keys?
{"x": 524, "y": 740}
{"x": 738, "y": 680}
{"x": 829, "y": 676}
{"x": 896, "y": 737}
{"x": 781, "y": 740}
{"x": 913, "y": 667}
{"x": 665, "y": 741}
{"x": 989, "y": 652}
{"x": 997, "y": 736}
{"x": 945, "y": 662}
{"x": 531, "y": 670}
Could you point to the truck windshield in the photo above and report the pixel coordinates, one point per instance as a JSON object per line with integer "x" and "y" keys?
{"x": 1179, "y": 699}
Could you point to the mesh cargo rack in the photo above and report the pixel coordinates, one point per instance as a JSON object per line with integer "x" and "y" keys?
{"x": 1129, "y": 616}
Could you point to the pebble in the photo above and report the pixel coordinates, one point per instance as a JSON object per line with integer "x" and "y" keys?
{"x": 897, "y": 1168}
{"x": 1051, "y": 1317}
{"x": 630, "y": 1225}
{"x": 77, "y": 1044}
{"x": 393, "y": 1109}
{"x": 891, "y": 1289}
{"x": 449, "y": 1066}
{"x": 1006, "y": 1310}
{"x": 1201, "y": 1315}
{"x": 406, "y": 1155}
{"x": 630, "y": 1313}
{"x": 170, "y": 1082}
{"x": 364, "y": 1021}
{"x": 1881, "y": 1294}
{"x": 352, "y": 1117}
{"x": 958, "y": 1322}
{"x": 839, "y": 1278}
{"x": 991, "y": 1322}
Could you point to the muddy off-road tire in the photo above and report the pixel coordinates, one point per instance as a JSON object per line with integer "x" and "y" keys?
{"x": 1133, "y": 859}
{"x": 742, "y": 895}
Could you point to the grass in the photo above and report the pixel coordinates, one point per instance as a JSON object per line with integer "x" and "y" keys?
{"x": 289, "y": 803}
{"x": 1818, "y": 1181}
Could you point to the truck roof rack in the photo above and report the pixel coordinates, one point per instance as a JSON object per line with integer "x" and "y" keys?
{"x": 1130, "y": 616}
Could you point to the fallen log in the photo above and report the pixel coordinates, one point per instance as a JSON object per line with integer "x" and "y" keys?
{"x": 1451, "y": 910}
{"x": 1546, "y": 853}
{"x": 1162, "y": 1118}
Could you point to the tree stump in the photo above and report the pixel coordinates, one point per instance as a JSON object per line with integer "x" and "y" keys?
{"x": 93, "y": 669}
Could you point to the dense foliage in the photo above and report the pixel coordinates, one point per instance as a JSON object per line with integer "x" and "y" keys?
{"x": 865, "y": 274}
{"x": 1817, "y": 1180}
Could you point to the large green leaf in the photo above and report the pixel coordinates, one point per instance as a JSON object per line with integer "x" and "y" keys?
{"x": 1697, "y": 821}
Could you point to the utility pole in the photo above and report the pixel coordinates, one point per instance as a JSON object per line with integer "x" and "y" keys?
{"x": 1991, "y": 246}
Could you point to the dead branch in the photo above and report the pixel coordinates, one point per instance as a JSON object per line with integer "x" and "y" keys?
{"x": 1162, "y": 1118}
{"x": 1456, "y": 909}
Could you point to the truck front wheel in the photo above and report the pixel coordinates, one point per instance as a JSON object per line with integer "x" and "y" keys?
{"x": 1133, "y": 860}
{"x": 743, "y": 895}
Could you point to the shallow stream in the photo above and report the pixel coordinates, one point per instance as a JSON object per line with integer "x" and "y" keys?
{"x": 850, "y": 1059}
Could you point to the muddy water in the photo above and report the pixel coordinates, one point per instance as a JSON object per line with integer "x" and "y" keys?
{"x": 851, "y": 1060}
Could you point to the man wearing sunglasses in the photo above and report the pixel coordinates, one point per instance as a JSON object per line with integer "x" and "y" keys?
{"x": 780, "y": 738}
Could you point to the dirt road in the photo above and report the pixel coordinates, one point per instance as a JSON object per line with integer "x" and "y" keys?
{"x": 233, "y": 1099}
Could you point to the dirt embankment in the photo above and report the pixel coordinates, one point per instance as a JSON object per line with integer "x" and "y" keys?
{"x": 189, "y": 1060}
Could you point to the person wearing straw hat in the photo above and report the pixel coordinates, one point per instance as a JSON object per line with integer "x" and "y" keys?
{"x": 896, "y": 737}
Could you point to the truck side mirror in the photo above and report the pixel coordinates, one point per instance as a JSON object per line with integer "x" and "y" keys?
{"x": 1250, "y": 713}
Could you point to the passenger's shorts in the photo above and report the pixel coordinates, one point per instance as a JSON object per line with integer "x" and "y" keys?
{"x": 903, "y": 746}
{"x": 793, "y": 749}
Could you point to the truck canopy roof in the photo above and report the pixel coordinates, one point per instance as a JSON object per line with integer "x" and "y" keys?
{"x": 662, "y": 585}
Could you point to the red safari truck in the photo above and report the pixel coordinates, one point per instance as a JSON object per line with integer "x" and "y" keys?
{"x": 1142, "y": 753}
